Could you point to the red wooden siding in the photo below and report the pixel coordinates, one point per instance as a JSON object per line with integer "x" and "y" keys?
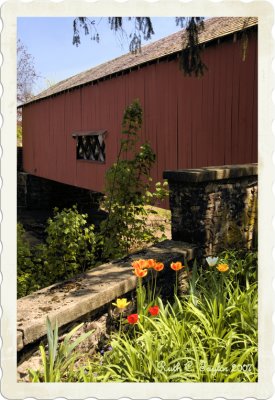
{"x": 190, "y": 122}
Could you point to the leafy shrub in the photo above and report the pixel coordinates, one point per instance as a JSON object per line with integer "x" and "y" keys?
{"x": 70, "y": 244}
{"x": 69, "y": 249}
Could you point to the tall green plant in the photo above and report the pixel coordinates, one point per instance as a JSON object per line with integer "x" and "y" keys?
{"x": 127, "y": 191}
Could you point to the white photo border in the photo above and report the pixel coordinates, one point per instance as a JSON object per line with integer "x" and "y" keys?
{"x": 10, "y": 11}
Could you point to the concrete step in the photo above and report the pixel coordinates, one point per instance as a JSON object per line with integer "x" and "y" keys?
{"x": 73, "y": 299}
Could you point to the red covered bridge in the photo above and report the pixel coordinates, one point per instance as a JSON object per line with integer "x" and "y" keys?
{"x": 71, "y": 131}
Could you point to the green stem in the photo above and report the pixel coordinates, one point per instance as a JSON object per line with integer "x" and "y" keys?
{"x": 176, "y": 285}
{"x": 155, "y": 285}
{"x": 139, "y": 295}
{"x": 120, "y": 322}
{"x": 151, "y": 289}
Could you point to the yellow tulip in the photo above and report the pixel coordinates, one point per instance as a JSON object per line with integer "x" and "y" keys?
{"x": 121, "y": 303}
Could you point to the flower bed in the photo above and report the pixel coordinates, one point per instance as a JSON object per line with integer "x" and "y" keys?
{"x": 207, "y": 335}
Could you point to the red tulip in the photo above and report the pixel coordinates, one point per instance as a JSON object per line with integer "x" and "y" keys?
{"x": 132, "y": 319}
{"x": 154, "y": 310}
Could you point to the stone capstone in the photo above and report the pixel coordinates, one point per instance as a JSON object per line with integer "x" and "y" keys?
{"x": 72, "y": 300}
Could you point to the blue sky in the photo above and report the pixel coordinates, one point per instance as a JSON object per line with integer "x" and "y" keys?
{"x": 49, "y": 41}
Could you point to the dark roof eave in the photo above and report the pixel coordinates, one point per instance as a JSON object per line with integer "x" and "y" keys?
{"x": 105, "y": 77}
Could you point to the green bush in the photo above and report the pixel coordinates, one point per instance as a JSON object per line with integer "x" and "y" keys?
{"x": 69, "y": 249}
{"x": 70, "y": 244}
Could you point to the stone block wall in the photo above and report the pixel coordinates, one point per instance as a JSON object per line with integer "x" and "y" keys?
{"x": 215, "y": 207}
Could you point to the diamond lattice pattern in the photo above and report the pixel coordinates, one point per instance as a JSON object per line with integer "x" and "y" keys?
{"x": 91, "y": 148}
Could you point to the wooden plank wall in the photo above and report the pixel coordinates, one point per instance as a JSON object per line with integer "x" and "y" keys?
{"x": 190, "y": 122}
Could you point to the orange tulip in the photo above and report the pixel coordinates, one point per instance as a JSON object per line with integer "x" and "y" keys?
{"x": 158, "y": 266}
{"x": 140, "y": 273}
{"x": 222, "y": 267}
{"x": 151, "y": 263}
{"x": 176, "y": 266}
{"x": 140, "y": 264}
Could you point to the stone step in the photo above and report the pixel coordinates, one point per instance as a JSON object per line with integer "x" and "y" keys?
{"x": 73, "y": 299}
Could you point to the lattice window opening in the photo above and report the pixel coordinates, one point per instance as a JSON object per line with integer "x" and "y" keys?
{"x": 91, "y": 147}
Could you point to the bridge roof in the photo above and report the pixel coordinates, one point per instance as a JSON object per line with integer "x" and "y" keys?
{"x": 214, "y": 28}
